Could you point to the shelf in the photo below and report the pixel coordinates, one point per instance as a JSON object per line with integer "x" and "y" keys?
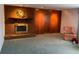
{"x": 17, "y": 20}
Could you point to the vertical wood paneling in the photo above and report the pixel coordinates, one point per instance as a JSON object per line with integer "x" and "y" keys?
{"x": 45, "y": 21}
{"x": 54, "y": 22}
{"x": 39, "y": 21}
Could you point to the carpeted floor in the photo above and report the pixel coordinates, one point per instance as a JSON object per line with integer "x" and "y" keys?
{"x": 41, "y": 44}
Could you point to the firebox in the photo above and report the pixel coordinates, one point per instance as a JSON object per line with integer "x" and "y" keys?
{"x": 21, "y": 27}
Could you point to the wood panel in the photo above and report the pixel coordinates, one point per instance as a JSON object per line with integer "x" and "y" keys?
{"x": 54, "y": 22}
{"x": 9, "y": 29}
{"x": 10, "y": 11}
{"x": 40, "y": 21}
{"x": 47, "y": 21}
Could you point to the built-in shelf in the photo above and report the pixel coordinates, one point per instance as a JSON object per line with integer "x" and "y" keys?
{"x": 18, "y": 20}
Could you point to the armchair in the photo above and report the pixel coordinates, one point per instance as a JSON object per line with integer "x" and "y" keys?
{"x": 69, "y": 33}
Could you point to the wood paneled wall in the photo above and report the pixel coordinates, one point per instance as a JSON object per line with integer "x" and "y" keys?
{"x": 43, "y": 20}
{"x": 11, "y": 18}
{"x": 40, "y": 21}
{"x": 54, "y": 22}
{"x": 47, "y": 21}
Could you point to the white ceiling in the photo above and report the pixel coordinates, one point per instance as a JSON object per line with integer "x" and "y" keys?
{"x": 50, "y": 6}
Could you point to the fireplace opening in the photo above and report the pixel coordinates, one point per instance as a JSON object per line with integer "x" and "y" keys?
{"x": 21, "y": 28}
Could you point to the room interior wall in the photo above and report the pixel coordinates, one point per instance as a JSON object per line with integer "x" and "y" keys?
{"x": 78, "y": 25}
{"x": 69, "y": 18}
{"x": 40, "y": 21}
{"x": 2, "y": 26}
{"x": 45, "y": 20}
{"x": 55, "y": 22}
{"x": 10, "y": 12}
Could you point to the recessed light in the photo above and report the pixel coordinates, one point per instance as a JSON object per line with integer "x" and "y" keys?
{"x": 36, "y": 9}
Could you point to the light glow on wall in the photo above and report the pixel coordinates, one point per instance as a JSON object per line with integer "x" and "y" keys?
{"x": 53, "y": 20}
{"x": 39, "y": 20}
{"x": 18, "y": 13}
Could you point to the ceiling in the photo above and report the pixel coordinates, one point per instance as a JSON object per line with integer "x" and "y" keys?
{"x": 50, "y": 6}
